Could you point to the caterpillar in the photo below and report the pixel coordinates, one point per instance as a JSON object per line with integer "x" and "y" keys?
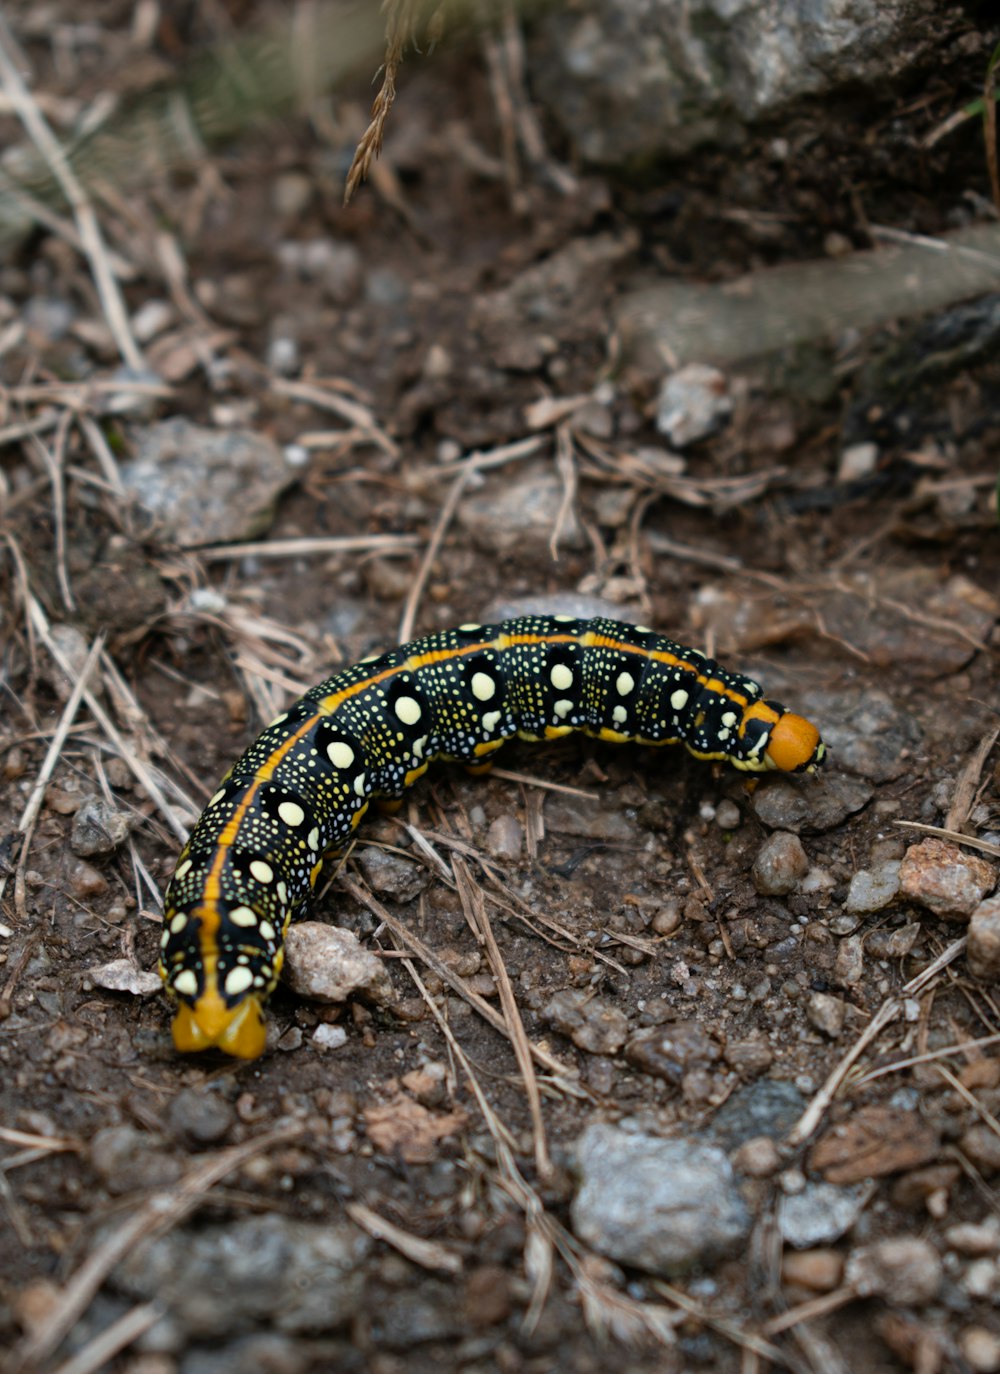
{"x": 300, "y": 789}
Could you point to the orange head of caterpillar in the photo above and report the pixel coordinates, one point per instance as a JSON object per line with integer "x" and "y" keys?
{"x": 771, "y": 737}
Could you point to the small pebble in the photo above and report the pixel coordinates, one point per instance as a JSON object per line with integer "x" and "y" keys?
{"x": 85, "y": 881}
{"x": 505, "y": 837}
{"x": 98, "y": 829}
{"x": 693, "y": 403}
{"x": 820, "y": 1270}
{"x": 905, "y": 1269}
{"x": 329, "y": 965}
{"x": 326, "y": 1037}
{"x": 758, "y": 1158}
{"x": 673, "y": 1050}
{"x": 849, "y": 965}
{"x": 857, "y": 461}
{"x": 590, "y": 1022}
{"x": 984, "y": 939}
{"x": 392, "y": 875}
{"x": 981, "y": 1349}
{"x": 872, "y": 890}
{"x": 201, "y": 1116}
{"x": 727, "y": 816}
{"x": 826, "y": 1013}
{"x": 780, "y": 863}
{"x": 975, "y": 1239}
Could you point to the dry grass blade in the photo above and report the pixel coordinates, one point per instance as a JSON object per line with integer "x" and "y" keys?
{"x": 26, "y": 825}
{"x": 970, "y": 841}
{"x": 407, "y": 939}
{"x": 968, "y": 781}
{"x": 408, "y": 618}
{"x": 96, "y": 1354}
{"x": 429, "y": 1254}
{"x": 931, "y": 1056}
{"x": 809, "y": 1121}
{"x": 161, "y": 1212}
{"x": 746, "y": 1340}
{"x": 990, "y": 126}
{"x": 474, "y": 905}
{"x": 87, "y": 226}
{"x": 321, "y": 545}
{"x": 400, "y": 23}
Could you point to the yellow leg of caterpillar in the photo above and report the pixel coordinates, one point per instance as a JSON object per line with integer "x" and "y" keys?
{"x": 478, "y": 770}
{"x": 389, "y": 807}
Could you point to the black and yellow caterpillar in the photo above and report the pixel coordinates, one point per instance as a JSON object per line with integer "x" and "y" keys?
{"x": 301, "y": 788}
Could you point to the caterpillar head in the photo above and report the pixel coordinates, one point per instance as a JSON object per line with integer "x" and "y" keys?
{"x": 771, "y": 737}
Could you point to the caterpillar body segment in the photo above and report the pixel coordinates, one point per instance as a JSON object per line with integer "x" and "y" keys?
{"x": 301, "y": 788}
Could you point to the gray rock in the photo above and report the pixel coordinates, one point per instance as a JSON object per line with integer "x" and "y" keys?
{"x": 871, "y": 890}
{"x": 780, "y": 864}
{"x": 693, "y": 403}
{"x": 392, "y": 875}
{"x": 906, "y": 1270}
{"x": 632, "y": 80}
{"x": 200, "y": 1115}
{"x": 826, "y": 1013}
{"x": 589, "y": 1021}
{"x": 206, "y": 486}
{"x": 505, "y": 837}
{"x": 810, "y": 804}
{"x": 99, "y": 828}
{"x": 123, "y": 975}
{"x": 662, "y": 1205}
{"x": 330, "y": 965}
{"x": 769, "y": 1106}
{"x": 293, "y": 1275}
{"x": 591, "y": 817}
{"x": 512, "y": 515}
{"x": 820, "y": 1214}
{"x": 865, "y": 731}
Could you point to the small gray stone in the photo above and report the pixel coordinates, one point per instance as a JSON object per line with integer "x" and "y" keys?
{"x": 693, "y": 403}
{"x": 515, "y": 516}
{"x": 392, "y": 875}
{"x": 206, "y": 486}
{"x": 810, "y": 804}
{"x": 871, "y": 890}
{"x": 200, "y": 1115}
{"x": 727, "y": 815}
{"x": 662, "y": 1205}
{"x": 330, "y": 965}
{"x": 590, "y": 1022}
{"x": 820, "y": 1214}
{"x": 905, "y": 1269}
{"x": 99, "y": 828}
{"x": 984, "y": 939}
{"x": 219, "y": 1280}
{"x": 124, "y": 975}
{"x": 758, "y": 1157}
{"x": 326, "y": 1037}
{"x": 769, "y": 1106}
{"x": 780, "y": 865}
{"x": 865, "y": 731}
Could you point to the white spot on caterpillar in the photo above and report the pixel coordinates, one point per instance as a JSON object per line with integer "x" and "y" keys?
{"x": 291, "y": 813}
{"x": 723, "y": 734}
{"x": 243, "y": 916}
{"x": 238, "y": 980}
{"x": 561, "y": 677}
{"x": 312, "y": 839}
{"x": 619, "y": 715}
{"x": 491, "y": 720}
{"x": 755, "y": 749}
{"x": 483, "y": 686}
{"x": 419, "y": 745}
{"x": 359, "y": 784}
{"x": 278, "y": 720}
{"x": 679, "y": 699}
{"x": 644, "y": 630}
{"x": 341, "y": 755}
{"x": 186, "y": 983}
{"x": 282, "y": 893}
{"x": 408, "y": 710}
{"x": 564, "y": 619}
{"x": 467, "y": 629}
{"x": 183, "y": 869}
{"x": 261, "y": 870}
{"x": 178, "y": 922}
{"x": 563, "y": 708}
{"x": 266, "y": 930}
{"x": 729, "y": 719}
{"x": 625, "y": 684}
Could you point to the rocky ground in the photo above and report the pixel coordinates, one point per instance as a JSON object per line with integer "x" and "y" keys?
{"x": 608, "y": 1057}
